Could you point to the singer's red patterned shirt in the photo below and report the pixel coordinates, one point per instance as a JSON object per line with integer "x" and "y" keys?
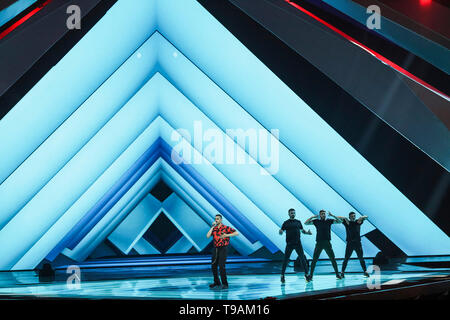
{"x": 217, "y": 232}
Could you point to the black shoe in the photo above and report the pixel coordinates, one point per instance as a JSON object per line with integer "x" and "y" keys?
{"x": 342, "y": 275}
{"x": 214, "y": 285}
{"x": 366, "y": 274}
{"x": 225, "y": 286}
{"x": 309, "y": 278}
{"x": 338, "y": 276}
{"x": 282, "y": 279}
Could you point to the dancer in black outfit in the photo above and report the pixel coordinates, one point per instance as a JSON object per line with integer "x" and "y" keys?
{"x": 323, "y": 238}
{"x": 293, "y": 227}
{"x": 353, "y": 226}
{"x": 221, "y": 239}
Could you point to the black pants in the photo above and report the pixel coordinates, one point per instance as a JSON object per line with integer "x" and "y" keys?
{"x": 353, "y": 245}
{"x": 323, "y": 245}
{"x": 287, "y": 254}
{"x": 219, "y": 257}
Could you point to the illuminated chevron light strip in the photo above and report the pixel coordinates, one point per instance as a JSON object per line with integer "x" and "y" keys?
{"x": 97, "y": 241}
{"x": 113, "y": 218}
{"x": 223, "y": 112}
{"x": 136, "y": 223}
{"x": 68, "y": 139}
{"x": 263, "y": 220}
{"x": 156, "y": 35}
{"x": 222, "y": 57}
{"x": 238, "y": 247}
{"x": 143, "y": 247}
{"x": 181, "y": 246}
{"x": 230, "y": 212}
{"x": 192, "y": 226}
{"x": 90, "y": 218}
{"x": 122, "y": 233}
{"x": 164, "y": 84}
{"x": 321, "y": 139}
{"x": 72, "y": 215}
{"x": 202, "y": 207}
{"x": 147, "y": 46}
{"x": 99, "y": 54}
{"x": 98, "y": 233}
{"x": 82, "y": 170}
{"x": 259, "y": 218}
{"x": 101, "y": 208}
{"x": 247, "y": 177}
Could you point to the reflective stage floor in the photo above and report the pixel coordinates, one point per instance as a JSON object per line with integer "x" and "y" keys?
{"x": 248, "y": 280}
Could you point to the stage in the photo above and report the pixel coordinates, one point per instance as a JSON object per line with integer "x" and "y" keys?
{"x": 179, "y": 277}
{"x": 138, "y": 136}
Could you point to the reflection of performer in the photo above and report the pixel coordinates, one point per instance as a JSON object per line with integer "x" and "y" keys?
{"x": 353, "y": 227}
{"x": 221, "y": 238}
{"x": 293, "y": 227}
{"x": 323, "y": 239}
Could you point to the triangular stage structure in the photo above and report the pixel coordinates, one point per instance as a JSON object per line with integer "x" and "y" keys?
{"x": 89, "y": 141}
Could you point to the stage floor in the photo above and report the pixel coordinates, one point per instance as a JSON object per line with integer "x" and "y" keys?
{"x": 247, "y": 281}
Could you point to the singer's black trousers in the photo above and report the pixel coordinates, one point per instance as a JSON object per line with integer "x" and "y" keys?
{"x": 219, "y": 258}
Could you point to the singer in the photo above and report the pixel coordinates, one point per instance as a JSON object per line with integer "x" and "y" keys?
{"x": 221, "y": 239}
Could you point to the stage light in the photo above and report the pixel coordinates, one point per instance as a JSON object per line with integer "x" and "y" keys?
{"x": 425, "y": 2}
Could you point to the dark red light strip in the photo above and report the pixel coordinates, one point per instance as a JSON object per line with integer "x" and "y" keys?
{"x": 23, "y": 19}
{"x": 384, "y": 60}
